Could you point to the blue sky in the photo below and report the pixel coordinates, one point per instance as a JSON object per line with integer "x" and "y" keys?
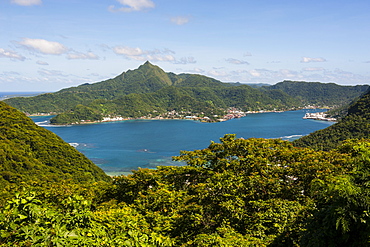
{"x": 47, "y": 45}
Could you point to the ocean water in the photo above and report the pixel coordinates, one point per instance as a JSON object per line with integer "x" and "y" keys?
{"x": 7, "y": 95}
{"x": 120, "y": 147}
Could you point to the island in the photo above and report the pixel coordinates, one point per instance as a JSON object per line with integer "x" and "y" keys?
{"x": 148, "y": 92}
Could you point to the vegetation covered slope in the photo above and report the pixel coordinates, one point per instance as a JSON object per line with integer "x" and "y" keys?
{"x": 356, "y": 125}
{"x": 320, "y": 94}
{"x": 31, "y": 153}
{"x": 149, "y": 91}
{"x": 200, "y": 101}
{"x": 147, "y": 78}
{"x": 253, "y": 192}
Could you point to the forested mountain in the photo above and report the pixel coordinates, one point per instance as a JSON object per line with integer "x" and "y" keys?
{"x": 320, "y": 94}
{"x": 31, "y": 153}
{"x": 149, "y": 92}
{"x": 146, "y": 79}
{"x": 356, "y": 125}
{"x": 200, "y": 101}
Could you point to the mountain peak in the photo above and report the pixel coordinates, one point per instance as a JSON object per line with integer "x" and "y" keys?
{"x": 149, "y": 73}
{"x": 147, "y": 64}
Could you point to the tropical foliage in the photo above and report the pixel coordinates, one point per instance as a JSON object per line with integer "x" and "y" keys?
{"x": 31, "y": 153}
{"x": 238, "y": 192}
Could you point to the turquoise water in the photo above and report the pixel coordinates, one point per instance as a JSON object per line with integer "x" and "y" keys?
{"x": 119, "y": 147}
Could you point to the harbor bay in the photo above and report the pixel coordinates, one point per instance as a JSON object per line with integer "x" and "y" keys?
{"x": 123, "y": 146}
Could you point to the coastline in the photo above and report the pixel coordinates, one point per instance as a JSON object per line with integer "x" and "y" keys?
{"x": 231, "y": 114}
{"x": 40, "y": 114}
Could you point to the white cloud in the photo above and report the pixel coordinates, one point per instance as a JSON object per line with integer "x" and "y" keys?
{"x": 45, "y": 80}
{"x": 196, "y": 70}
{"x": 162, "y": 58}
{"x": 313, "y": 69}
{"x": 254, "y": 73}
{"x": 11, "y": 54}
{"x": 44, "y": 46}
{"x": 286, "y": 73}
{"x": 132, "y": 5}
{"x": 236, "y": 61}
{"x": 128, "y": 51}
{"x": 79, "y": 55}
{"x": 10, "y": 73}
{"x": 218, "y": 73}
{"x": 139, "y": 54}
{"x": 42, "y": 63}
{"x": 186, "y": 60}
{"x": 180, "y": 20}
{"x": 27, "y": 2}
{"x": 311, "y": 59}
{"x": 47, "y": 72}
{"x": 274, "y": 76}
{"x": 247, "y": 54}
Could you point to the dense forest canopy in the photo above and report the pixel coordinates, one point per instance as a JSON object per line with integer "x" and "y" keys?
{"x": 150, "y": 92}
{"x": 238, "y": 192}
{"x": 31, "y": 153}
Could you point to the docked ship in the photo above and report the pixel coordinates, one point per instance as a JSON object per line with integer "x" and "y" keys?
{"x": 319, "y": 116}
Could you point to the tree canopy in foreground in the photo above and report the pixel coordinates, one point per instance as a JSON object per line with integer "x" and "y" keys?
{"x": 238, "y": 192}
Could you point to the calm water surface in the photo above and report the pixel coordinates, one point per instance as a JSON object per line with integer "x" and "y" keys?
{"x": 119, "y": 147}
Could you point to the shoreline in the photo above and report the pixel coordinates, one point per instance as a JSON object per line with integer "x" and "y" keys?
{"x": 226, "y": 117}
{"x": 232, "y": 114}
{"x": 192, "y": 118}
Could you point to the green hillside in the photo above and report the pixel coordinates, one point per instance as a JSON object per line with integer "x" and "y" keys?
{"x": 150, "y": 92}
{"x": 320, "y": 94}
{"x": 200, "y": 101}
{"x": 356, "y": 125}
{"x": 31, "y": 153}
{"x": 146, "y": 79}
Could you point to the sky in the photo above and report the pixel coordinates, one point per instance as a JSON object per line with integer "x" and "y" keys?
{"x": 47, "y": 45}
